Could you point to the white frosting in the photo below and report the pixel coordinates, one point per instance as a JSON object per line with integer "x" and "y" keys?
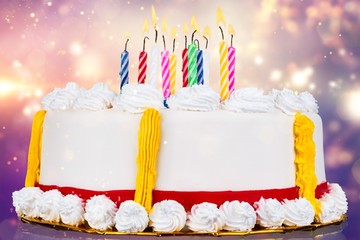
{"x": 239, "y": 216}
{"x": 71, "y": 209}
{"x": 195, "y": 98}
{"x": 100, "y": 212}
{"x": 99, "y": 97}
{"x": 269, "y": 212}
{"x": 298, "y": 212}
{"x": 26, "y": 200}
{"x": 167, "y": 216}
{"x": 309, "y": 102}
{"x": 340, "y": 199}
{"x": 333, "y": 204}
{"x": 131, "y": 217}
{"x": 61, "y": 99}
{"x": 49, "y": 205}
{"x": 290, "y": 103}
{"x": 328, "y": 209}
{"x": 205, "y": 217}
{"x": 250, "y": 100}
{"x": 136, "y": 98}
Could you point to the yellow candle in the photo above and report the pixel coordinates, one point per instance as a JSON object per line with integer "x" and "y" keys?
{"x": 172, "y": 73}
{"x": 224, "y": 71}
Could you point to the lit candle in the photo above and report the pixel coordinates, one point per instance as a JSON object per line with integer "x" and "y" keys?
{"x": 206, "y": 58}
{"x": 173, "y": 63}
{"x": 143, "y": 57}
{"x": 231, "y": 52}
{"x": 199, "y": 65}
{"x": 124, "y": 72}
{"x": 185, "y": 67}
{"x": 192, "y": 55}
{"x": 224, "y": 71}
{"x": 154, "y": 54}
{"x": 165, "y": 63}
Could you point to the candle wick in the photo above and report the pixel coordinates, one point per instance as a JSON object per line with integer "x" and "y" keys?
{"x": 173, "y": 44}
{"x": 156, "y": 34}
{"x": 144, "y": 42}
{"x": 164, "y": 42}
{"x": 185, "y": 41}
{"x": 192, "y": 36}
{"x": 127, "y": 40}
{"x": 207, "y": 40}
{"x": 222, "y": 32}
{"x": 198, "y": 43}
{"x": 232, "y": 36}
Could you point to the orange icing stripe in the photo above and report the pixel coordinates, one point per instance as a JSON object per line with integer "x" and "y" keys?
{"x": 305, "y": 152}
{"x": 148, "y": 148}
{"x": 34, "y": 155}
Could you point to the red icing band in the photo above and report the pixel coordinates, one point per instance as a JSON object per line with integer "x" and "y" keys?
{"x": 188, "y": 199}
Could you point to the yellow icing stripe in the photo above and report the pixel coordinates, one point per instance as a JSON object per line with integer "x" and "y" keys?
{"x": 306, "y": 178}
{"x": 34, "y": 155}
{"x": 148, "y": 147}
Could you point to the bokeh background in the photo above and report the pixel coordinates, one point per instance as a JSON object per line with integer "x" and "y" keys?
{"x": 305, "y": 45}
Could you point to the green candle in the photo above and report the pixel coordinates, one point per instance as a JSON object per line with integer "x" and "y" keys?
{"x": 192, "y": 62}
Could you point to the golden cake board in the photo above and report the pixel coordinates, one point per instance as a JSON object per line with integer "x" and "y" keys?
{"x": 257, "y": 230}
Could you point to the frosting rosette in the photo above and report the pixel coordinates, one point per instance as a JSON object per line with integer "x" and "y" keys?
{"x": 100, "y": 212}
{"x": 136, "y": 98}
{"x": 61, "y": 99}
{"x": 239, "y": 216}
{"x": 26, "y": 201}
{"x": 328, "y": 209}
{"x": 99, "y": 97}
{"x": 167, "y": 216}
{"x": 340, "y": 199}
{"x": 309, "y": 102}
{"x": 49, "y": 205}
{"x": 195, "y": 98}
{"x": 250, "y": 100}
{"x": 270, "y": 213}
{"x": 205, "y": 217}
{"x": 131, "y": 217}
{"x": 287, "y": 101}
{"x": 71, "y": 209}
{"x": 298, "y": 212}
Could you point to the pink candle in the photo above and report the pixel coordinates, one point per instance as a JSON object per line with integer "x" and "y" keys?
{"x": 231, "y": 54}
{"x": 165, "y": 72}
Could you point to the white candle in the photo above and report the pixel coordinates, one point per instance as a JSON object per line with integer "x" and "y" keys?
{"x": 154, "y": 65}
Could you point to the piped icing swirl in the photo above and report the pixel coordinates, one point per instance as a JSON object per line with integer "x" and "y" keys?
{"x": 340, "y": 199}
{"x": 71, "y": 209}
{"x": 49, "y": 205}
{"x": 26, "y": 201}
{"x": 328, "y": 209}
{"x": 167, "y": 216}
{"x": 131, "y": 217}
{"x": 61, "y": 99}
{"x": 100, "y": 212}
{"x": 239, "y": 216}
{"x": 205, "y": 217}
{"x": 136, "y": 98}
{"x": 269, "y": 212}
{"x": 196, "y": 98}
{"x": 290, "y": 103}
{"x": 250, "y": 100}
{"x": 298, "y": 212}
{"x": 97, "y": 98}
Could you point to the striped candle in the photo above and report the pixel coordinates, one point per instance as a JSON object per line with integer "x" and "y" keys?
{"x": 231, "y": 55}
{"x": 154, "y": 65}
{"x": 206, "y": 61}
{"x": 192, "y": 64}
{"x": 224, "y": 72}
{"x": 142, "y": 67}
{"x": 172, "y": 73}
{"x": 124, "y": 72}
{"x": 200, "y": 67}
{"x": 185, "y": 67}
{"x": 165, "y": 73}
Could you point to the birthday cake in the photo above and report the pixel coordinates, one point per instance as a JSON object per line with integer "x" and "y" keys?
{"x": 127, "y": 163}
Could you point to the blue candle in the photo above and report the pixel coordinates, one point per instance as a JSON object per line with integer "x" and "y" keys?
{"x": 200, "y": 67}
{"x": 124, "y": 72}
